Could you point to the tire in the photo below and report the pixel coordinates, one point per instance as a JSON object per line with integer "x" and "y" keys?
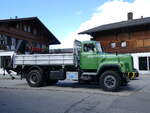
{"x": 110, "y": 81}
{"x": 35, "y": 78}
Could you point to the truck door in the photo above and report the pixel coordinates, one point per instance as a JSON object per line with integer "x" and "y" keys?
{"x": 89, "y": 56}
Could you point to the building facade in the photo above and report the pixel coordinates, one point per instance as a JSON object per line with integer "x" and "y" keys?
{"x": 25, "y": 35}
{"x": 131, "y": 36}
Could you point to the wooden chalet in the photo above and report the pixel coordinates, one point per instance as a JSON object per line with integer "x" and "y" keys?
{"x": 25, "y": 35}
{"x": 129, "y": 36}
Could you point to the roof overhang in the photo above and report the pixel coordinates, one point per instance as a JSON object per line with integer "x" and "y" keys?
{"x": 53, "y": 39}
{"x": 124, "y": 25}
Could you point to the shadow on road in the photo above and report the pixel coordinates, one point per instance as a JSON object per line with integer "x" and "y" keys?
{"x": 75, "y": 84}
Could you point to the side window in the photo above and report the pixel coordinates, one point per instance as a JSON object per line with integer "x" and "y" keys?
{"x": 143, "y": 63}
{"x": 124, "y": 44}
{"x": 89, "y": 48}
{"x": 113, "y": 45}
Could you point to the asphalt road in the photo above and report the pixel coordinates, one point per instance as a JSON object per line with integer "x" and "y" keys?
{"x": 69, "y": 97}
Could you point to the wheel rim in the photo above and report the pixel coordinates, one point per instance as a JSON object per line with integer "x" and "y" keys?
{"x": 33, "y": 78}
{"x": 110, "y": 81}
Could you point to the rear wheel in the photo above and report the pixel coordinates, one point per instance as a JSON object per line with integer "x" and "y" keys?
{"x": 110, "y": 81}
{"x": 35, "y": 78}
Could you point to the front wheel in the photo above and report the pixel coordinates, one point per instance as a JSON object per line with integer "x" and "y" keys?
{"x": 110, "y": 81}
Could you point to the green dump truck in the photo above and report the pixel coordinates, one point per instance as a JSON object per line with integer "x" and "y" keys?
{"x": 85, "y": 62}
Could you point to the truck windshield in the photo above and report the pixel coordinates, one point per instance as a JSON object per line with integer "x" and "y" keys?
{"x": 98, "y": 46}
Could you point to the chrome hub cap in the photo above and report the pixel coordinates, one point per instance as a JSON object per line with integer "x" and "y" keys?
{"x": 33, "y": 78}
{"x": 110, "y": 81}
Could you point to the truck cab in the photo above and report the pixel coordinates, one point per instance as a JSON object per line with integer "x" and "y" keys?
{"x": 88, "y": 56}
{"x": 110, "y": 70}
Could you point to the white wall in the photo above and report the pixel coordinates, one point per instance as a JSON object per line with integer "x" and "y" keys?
{"x": 136, "y": 61}
{"x": 5, "y": 53}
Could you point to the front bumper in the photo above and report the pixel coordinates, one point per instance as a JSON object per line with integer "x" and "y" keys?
{"x": 133, "y": 75}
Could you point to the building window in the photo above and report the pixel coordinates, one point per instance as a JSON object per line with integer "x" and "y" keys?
{"x": 34, "y": 31}
{"x": 29, "y": 29}
{"x": 43, "y": 46}
{"x": 143, "y": 63}
{"x": 17, "y": 26}
{"x": 124, "y": 44}
{"x": 13, "y": 42}
{"x": 140, "y": 43}
{"x": 2, "y": 39}
{"x": 146, "y": 43}
{"x": 38, "y": 45}
{"x": 13, "y": 46}
{"x": 113, "y": 45}
{"x": 25, "y": 28}
{"x": 5, "y": 39}
{"x": 34, "y": 44}
{"x": 2, "y": 42}
{"x": 9, "y": 42}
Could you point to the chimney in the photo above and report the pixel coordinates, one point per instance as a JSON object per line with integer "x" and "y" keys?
{"x": 130, "y": 16}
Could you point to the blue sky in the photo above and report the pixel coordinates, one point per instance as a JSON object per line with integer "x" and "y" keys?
{"x": 60, "y": 16}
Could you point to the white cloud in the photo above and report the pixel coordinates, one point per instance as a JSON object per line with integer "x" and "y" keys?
{"x": 109, "y": 12}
